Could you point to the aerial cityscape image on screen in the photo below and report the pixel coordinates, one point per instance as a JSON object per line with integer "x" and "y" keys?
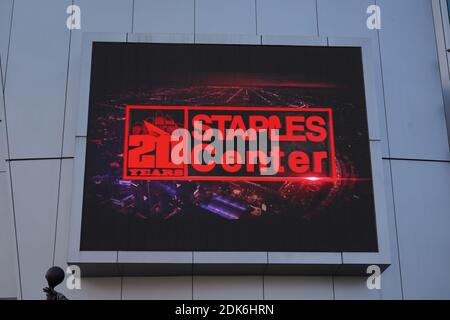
{"x": 137, "y": 87}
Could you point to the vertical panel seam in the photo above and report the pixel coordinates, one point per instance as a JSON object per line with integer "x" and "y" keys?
{"x": 8, "y": 46}
{"x": 317, "y": 17}
{"x": 256, "y": 16}
{"x": 332, "y": 286}
{"x": 1, "y": 77}
{"x": 9, "y": 163}
{"x": 132, "y": 17}
{"x": 389, "y": 153}
{"x": 195, "y": 17}
{"x": 396, "y": 230}
{"x": 57, "y": 213}
{"x": 62, "y": 143}
{"x": 15, "y": 228}
{"x": 446, "y": 108}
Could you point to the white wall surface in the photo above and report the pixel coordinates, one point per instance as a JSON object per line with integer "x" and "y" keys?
{"x": 37, "y": 134}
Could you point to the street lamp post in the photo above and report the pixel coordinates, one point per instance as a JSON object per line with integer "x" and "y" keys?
{"x": 54, "y": 276}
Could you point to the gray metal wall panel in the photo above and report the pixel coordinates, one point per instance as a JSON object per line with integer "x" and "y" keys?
{"x": 5, "y": 22}
{"x": 422, "y": 205}
{"x": 413, "y": 92}
{"x": 208, "y": 38}
{"x": 164, "y": 16}
{"x": 226, "y": 257}
{"x": 96, "y": 16}
{"x": 391, "y": 279}
{"x": 225, "y": 17}
{"x": 354, "y": 288}
{"x": 96, "y": 289}
{"x": 8, "y": 257}
{"x": 298, "y": 288}
{"x": 36, "y": 81}
{"x": 228, "y": 288}
{"x": 3, "y": 147}
{"x": 161, "y": 37}
{"x": 105, "y": 15}
{"x": 9, "y": 282}
{"x": 157, "y": 288}
{"x": 288, "y": 17}
{"x": 155, "y": 257}
{"x": 347, "y": 18}
{"x": 35, "y": 189}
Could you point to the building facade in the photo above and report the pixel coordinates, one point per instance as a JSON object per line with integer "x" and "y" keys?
{"x": 40, "y": 60}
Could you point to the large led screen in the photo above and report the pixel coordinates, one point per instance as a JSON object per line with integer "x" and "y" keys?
{"x": 227, "y": 148}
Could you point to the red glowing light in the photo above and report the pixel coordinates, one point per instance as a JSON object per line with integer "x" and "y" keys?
{"x": 313, "y": 178}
